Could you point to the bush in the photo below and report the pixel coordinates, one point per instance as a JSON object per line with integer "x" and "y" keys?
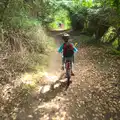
{"x": 112, "y": 37}
{"x": 109, "y": 35}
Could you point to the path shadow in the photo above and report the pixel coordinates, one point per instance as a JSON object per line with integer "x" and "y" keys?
{"x": 53, "y": 89}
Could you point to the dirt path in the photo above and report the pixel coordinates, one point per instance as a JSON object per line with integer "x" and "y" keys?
{"x": 95, "y": 91}
{"x": 93, "y": 95}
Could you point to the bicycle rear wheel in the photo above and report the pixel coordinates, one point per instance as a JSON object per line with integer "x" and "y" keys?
{"x": 68, "y": 73}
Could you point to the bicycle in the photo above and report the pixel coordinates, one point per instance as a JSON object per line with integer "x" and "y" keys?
{"x": 68, "y": 69}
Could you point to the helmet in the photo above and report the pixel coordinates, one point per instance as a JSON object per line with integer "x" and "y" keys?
{"x": 65, "y": 37}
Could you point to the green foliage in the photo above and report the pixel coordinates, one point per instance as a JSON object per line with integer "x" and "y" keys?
{"x": 87, "y": 3}
{"x": 112, "y": 38}
{"x": 22, "y": 14}
{"x": 99, "y": 16}
{"x": 78, "y": 15}
{"x": 96, "y": 17}
{"x": 88, "y": 15}
{"x": 115, "y": 43}
{"x": 23, "y": 22}
{"x": 115, "y": 4}
{"x": 61, "y": 16}
{"x": 109, "y": 35}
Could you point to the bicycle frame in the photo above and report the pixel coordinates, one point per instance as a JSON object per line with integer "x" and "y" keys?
{"x": 68, "y": 71}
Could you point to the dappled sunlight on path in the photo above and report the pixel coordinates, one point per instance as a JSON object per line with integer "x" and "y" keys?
{"x": 36, "y": 100}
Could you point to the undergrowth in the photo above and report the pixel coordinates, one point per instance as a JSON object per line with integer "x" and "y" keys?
{"x": 23, "y": 58}
{"x": 22, "y": 51}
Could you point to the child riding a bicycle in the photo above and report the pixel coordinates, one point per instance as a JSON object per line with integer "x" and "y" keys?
{"x": 68, "y": 50}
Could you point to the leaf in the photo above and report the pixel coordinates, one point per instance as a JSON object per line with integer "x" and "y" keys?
{"x": 111, "y": 118}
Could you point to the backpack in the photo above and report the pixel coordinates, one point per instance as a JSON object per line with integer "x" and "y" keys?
{"x": 68, "y": 50}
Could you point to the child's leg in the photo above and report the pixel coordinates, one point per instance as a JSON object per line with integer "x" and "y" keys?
{"x": 73, "y": 59}
{"x": 72, "y": 66}
{"x": 63, "y": 62}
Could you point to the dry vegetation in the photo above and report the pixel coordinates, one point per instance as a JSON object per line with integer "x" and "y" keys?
{"x": 21, "y": 51}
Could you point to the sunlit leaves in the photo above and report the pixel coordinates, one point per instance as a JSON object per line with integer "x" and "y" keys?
{"x": 110, "y": 3}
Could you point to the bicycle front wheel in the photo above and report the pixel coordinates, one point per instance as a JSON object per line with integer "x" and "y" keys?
{"x": 68, "y": 75}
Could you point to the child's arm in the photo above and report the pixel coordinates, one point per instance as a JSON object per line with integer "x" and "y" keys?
{"x": 60, "y": 49}
{"x": 75, "y": 49}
